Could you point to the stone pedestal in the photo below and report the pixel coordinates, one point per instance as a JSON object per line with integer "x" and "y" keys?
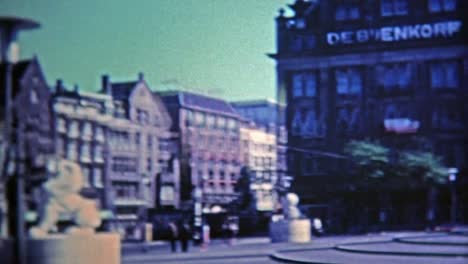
{"x": 70, "y": 249}
{"x": 293, "y": 230}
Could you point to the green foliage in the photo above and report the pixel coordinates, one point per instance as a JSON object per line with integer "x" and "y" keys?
{"x": 371, "y": 158}
{"x": 411, "y": 167}
{"x": 424, "y": 166}
{"x": 242, "y": 187}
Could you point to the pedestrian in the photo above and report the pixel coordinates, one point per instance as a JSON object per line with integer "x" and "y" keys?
{"x": 173, "y": 236}
{"x": 233, "y": 230}
{"x": 185, "y": 234}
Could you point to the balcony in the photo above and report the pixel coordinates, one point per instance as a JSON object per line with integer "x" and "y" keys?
{"x": 129, "y": 202}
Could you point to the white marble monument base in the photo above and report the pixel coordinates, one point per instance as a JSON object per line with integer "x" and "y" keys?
{"x": 295, "y": 230}
{"x": 73, "y": 249}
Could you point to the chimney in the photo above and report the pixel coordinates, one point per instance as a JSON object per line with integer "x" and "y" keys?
{"x": 76, "y": 89}
{"x": 106, "y": 85}
{"x": 58, "y": 86}
{"x": 141, "y": 76}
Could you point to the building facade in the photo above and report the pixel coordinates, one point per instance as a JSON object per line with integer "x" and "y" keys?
{"x": 259, "y": 154}
{"x": 137, "y": 153}
{"x": 393, "y": 70}
{"x": 81, "y": 122}
{"x": 30, "y": 142}
{"x": 120, "y": 138}
{"x": 269, "y": 116}
{"x": 209, "y": 136}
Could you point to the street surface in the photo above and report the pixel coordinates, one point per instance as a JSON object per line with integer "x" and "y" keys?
{"x": 258, "y": 251}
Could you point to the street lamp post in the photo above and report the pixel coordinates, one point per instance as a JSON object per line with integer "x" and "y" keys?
{"x": 453, "y": 191}
{"x": 10, "y": 28}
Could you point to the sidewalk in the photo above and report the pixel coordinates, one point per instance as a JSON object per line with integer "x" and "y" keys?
{"x": 163, "y": 246}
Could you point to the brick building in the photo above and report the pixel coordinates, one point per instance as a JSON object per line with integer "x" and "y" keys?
{"x": 208, "y": 145}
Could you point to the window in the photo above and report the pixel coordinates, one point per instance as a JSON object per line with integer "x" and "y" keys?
{"x": 87, "y": 130}
{"x": 348, "y": 120}
{"x": 347, "y": 12}
{"x": 61, "y": 125}
{"x": 60, "y": 146}
{"x": 188, "y": 118}
{"x": 295, "y": 43}
{"x": 391, "y": 77}
{"x": 137, "y": 138}
{"x": 304, "y": 84}
{"x": 142, "y": 117}
{"x": 297, "y": 122}
{"x": 221, "y": 122}
{"x": 86, "y": 174}
{"x": 150, "y": 141}
{"x": 98, "y": 157}
{"x": 72, "y": 151}
{"x": 97, "y": 178}
{"x": 393, "y": 7}
{"x": 73, "y": 129}
{"x": 444, "y": 75}
{"x": 33, "y": 97}
{"x": 436, "y": 6}
{"x": 446, "y": 117}
{"x": 149, "y": 165}
{"x": 99, "y": 134}
{"x": 297, "y": 85}
{"x": 200, "y": 119}
{"x": 210, "y": 121}
{"x": 310, "y": 127}
{"x": 85, "y": 152}
{"x": 232, "y": 124}
{"x": 348, "y": 81}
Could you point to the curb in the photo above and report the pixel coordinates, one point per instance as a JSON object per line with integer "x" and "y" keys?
{"x": 406, "y": 240}
{"x": 279, "y": 256}
{"x": 344, "y": 248}
{"x": 187, "y": 258}
{"x": 284, "y": 259}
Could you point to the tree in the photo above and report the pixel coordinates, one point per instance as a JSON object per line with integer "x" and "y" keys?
{"x": 371, "y": 158}
{"x": 242, "y": 187}
{"x": 426, "y": 170}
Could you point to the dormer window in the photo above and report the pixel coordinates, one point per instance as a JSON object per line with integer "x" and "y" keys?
{"x": 33, "y": 98}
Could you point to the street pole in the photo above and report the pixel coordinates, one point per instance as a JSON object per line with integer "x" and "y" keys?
{"x": 10, "y": 28}
{"x": 453, "y": 193}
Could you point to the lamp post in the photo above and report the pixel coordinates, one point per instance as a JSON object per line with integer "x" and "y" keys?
{"x": 9, "y": 29}
{"x": 453, "y": 191}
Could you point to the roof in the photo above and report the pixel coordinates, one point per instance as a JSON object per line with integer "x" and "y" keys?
{"x": 18, "y": 71}
{"x": 197, "y": 102}
{"x": 256, "y": 102}
{"x": 122, "y": 90}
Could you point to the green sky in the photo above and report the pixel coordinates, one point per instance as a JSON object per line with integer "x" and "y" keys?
{"x": 214, "y": 46}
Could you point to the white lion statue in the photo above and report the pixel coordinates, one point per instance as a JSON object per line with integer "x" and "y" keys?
{"x": 64, "y": 198}
{"x": 290, "y": 210}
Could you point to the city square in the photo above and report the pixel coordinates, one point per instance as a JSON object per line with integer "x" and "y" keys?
{"x": 199, "y": 131}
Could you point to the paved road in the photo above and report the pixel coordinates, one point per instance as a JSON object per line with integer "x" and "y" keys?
{"x": 334, "y": 256}
{"x": 255, "y": 251}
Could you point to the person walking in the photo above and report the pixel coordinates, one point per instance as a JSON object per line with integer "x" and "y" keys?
{"x": 185, "y": 234}
{"x": 173, "y": 236}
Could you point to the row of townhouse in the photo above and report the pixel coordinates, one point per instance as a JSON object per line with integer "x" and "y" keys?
{"x": 120, "y": 138}
{"x": 139, "y": 149}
